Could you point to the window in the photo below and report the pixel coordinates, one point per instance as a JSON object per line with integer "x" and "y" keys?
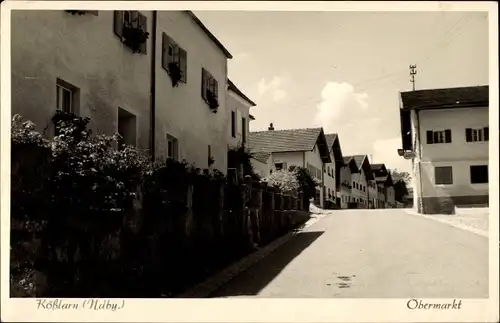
{"x": 280, "y": 166}
{"x": 243, "y": 130}
{"x": 439, "y": 137}
{"x": 479, "y": 174}
{"x": 172, "y": 53}
{"x": 443, "y": 175}
{"x": 127, "y": 128}
{"x": 209, "y": 86}
{"x": 233, "y": 124}
{"x": 475, "y": 135}
{"x": 125, "y": 20}
{"x": 172, "y": 147}
{"x": 65, "y": 97}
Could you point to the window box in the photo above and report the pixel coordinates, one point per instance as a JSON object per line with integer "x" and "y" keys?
{"x": 131, "y": 28}
{"x": 134, "y": 37}
{"x": 175, "y": 73}
{"x": 212, "y": 101}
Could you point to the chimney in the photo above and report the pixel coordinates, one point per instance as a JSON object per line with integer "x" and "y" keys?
{"x": 270, "y": 127}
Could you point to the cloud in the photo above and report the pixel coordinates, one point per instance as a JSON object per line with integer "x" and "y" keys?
{"x": 279, "y": 95}
{"x": 264, "y": 87}
{"x": 340, "y": 102}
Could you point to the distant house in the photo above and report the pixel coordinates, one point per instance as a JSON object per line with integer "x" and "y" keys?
{"x": 384, "y": 187}
{"x": 445, "y": 132}
{"x": 239, "y": 106}
{"x": 360, "y": 181}
{"x": 332, "y": 170}
{"x": 347, "y": 170}
{"x": 298, "y": 147}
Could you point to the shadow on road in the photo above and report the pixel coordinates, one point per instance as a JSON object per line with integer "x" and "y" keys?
{"x": 258, "y": 276}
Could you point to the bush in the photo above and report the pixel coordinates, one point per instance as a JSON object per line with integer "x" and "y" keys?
{"x": 284, "y": 180}
{"x": 241, "y": 156}
{"x": 307, "y": 184}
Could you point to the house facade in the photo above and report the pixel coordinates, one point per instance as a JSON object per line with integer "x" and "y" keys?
{"x": 161, "y": 95}
{"x": 292, "y": 147}
{"x": 360, "y": 192}
{"x": 346, "y": 171}
{"x": 239, "y": 106}
{"x": 445, "y": 132}
{"x": 332, "y": 170}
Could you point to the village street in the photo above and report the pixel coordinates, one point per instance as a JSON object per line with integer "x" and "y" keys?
{"x": 384, "y": 253}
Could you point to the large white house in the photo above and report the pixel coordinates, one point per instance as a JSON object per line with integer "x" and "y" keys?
{"x": 165, "y": 93}
{"x": 445, "y": 133}
{"x": 279, "y": 149}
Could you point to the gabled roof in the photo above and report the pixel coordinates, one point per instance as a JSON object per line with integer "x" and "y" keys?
{"x": 261, "y": 156}
{"x": 349, "y": 161}
{"x": 362, "y": 162}
{"x": 385, "y": 179}
{"x": 234, "y": 88}
{"x": 197, "y": 21}
{"x": 334, "y": 145}
{"x": 458, "y": 97}
{"x": 379, "y": 170}
{"x": 289, "y": 140}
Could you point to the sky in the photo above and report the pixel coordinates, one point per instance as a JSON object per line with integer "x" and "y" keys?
{"x": 343, "y": 71}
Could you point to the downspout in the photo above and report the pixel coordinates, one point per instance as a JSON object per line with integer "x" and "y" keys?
{"x": 153, "y": 87}
{"x": 419, "y": 162}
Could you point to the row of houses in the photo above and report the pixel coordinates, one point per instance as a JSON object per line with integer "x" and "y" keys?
{"x": 345, "y": 181}
{"x": 158, "y": 78}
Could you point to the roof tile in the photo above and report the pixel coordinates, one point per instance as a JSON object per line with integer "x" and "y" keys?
{"x": 283, "y": 140}
{"x": 446, "y": 98}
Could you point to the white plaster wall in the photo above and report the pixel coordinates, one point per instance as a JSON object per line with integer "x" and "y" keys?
{"x": 262, "y": 169}
{"x": 290, "y": 158}
{"x": 345, "y": 177}
{"x": 330, "y": 180}
{"x": 314, "y": 158}
{"x": 235, "y": 103}
{"x": 459, "y": 154}
{"x": 84, "y": 51}
{"x": 181, "y": 111}
{"x": 361, "y": 179}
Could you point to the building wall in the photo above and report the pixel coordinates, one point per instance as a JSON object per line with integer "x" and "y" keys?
{"x": 391, "y": 197}
{"x": 360, "y": 178}
{"x": 314, "y": 158}
{"x": 345, "y": 193}
{"x": 85, "y": 52}
{"x": 373, "y": 194}
{"x": 242, "y": 110}
{"x": 458, "y": 154}
{"x": 381, "y": 196}
{"x": 290, "y": 158}
{"x": 261, "y": 168}
{"x": 181, "y": 111}
{"x": 330, "y": 179}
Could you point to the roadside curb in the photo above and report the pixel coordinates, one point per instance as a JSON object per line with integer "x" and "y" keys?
{"x": 450, "y": 223}
{"x": 204, "y": 289}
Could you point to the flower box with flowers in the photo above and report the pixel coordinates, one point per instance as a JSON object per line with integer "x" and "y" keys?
{"x": 212, "y": 101}
{"x": 134, "y": 37}
{"x": 175, "y": 73}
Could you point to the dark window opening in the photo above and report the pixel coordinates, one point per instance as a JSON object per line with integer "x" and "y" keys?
{"x": 479, "y": 174}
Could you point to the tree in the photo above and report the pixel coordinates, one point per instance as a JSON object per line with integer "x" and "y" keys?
{"x": 402, "y": 181}
{"x": 286, "y": 181}
{"x": 307, "y": 183}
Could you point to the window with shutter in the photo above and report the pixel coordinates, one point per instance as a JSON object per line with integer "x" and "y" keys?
{"x": 443, "y": 175}
{"x": 167, "y": 51}
{"x": 479, "y": 174}
{"x": 468, "y": 135}
{"x": 429, "y": 137}
{"x": 447, "y": 136}
{"x": 183, "y": 64}
{"x": 204, "y": 82}
{"x": 215, "y": 88}
{"x": 486, "y": 133}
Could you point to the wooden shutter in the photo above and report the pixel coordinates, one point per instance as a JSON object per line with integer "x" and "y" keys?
{"x": 164, "y": 51}
{"x": 429, "y": 137}
{"x": 243, "y": 130}
{"x": 118, "y": 23}
{"x": 468, "y": 135}
{"x": 143, "y": 24}
{"x": 204, "y": 78}
{"x": 447, "y": 136}
{"x": 435, "y": 138}
{"x": 183, "y": 64}
{"x": 486, "y": 131}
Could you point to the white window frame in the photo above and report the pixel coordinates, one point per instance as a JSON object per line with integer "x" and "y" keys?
{"x": 175, "y": 150}
{"x": 441, "y": 137}
{"x": 477, "y": 135}
{"x": 59, "y": 103}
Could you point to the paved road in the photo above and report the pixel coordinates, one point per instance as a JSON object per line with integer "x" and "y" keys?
{"x": 371, "y": 254}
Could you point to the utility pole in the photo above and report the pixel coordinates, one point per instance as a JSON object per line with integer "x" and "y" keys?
{"x": 413, "y": 72}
